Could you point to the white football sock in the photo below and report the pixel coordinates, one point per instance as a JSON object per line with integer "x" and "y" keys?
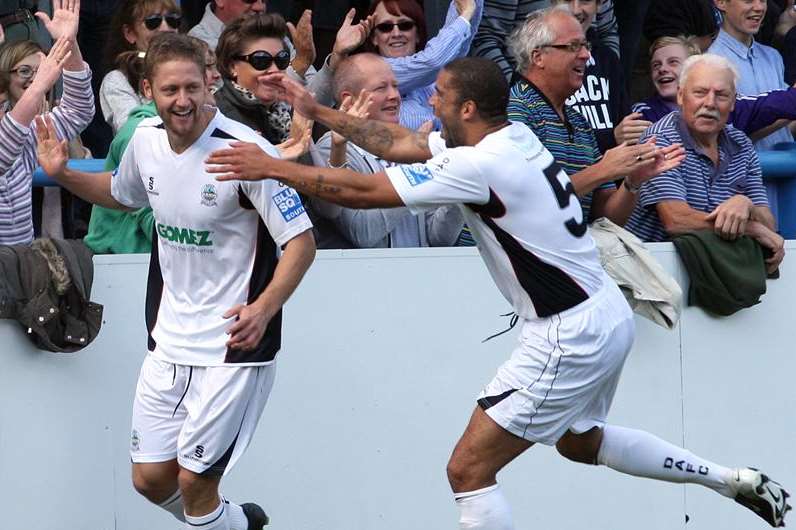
{"x": 215, "y": 520}
{"x": 642, "y": 454}
{"x": 484, "y": 509}
{"x": 235, "y": 516}
{"x": 174, "y": 506}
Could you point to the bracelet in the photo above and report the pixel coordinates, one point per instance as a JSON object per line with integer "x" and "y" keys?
{"x": 630, "y": 187}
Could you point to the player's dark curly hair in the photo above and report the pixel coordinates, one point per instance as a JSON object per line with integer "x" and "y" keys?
{"x": 481, "y": 81}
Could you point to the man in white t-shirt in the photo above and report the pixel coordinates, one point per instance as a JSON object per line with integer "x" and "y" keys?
{"x": 216, "y": 288}
{"x": 577, "y": 329}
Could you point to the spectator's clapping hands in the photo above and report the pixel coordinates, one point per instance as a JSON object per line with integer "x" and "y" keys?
{"x": 298, "y": 142}
{"x": 625, "y": 158}
{"x": 351, "y": 36}
{"x": 465, "y": 8}
{"x": 358, "y": 106}
{"x": 730, "y": 217}
{"x": 301, "y": 35}
{"x": 52, "y": 152}
{"x": 64, "y": 23}
{"x": 663, "y": 159}
{"x": 631, "y": 128}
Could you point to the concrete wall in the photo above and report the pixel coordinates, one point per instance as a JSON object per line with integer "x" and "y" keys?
{"x": 377, "y": 378}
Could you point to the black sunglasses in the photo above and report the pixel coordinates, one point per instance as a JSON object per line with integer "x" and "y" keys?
{"x": 262, "y": 60}
{"x": 153, "y": 22}
{"x": 387, "y": 27}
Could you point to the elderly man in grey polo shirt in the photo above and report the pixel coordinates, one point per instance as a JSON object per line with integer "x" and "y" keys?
{"x": 719, "y": 185}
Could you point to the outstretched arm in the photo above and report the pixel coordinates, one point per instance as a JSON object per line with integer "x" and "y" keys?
{"x": 385, "y": 140}
{"x": 53, "y": 155}
{"x": 247, "y": 161}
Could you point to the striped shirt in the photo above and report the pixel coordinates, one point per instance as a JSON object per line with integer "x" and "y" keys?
{"x": 502, "y": 16}
{"x": 571, "y": 141}
{"x": 697, "y": 181}
{"x": 18, "y": 155}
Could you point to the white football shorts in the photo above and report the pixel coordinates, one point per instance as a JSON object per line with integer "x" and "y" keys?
{"x": 564, "y": 373}
{"x": 204, "y": 416}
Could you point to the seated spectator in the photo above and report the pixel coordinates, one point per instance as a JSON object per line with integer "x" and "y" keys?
{"x": 399, "y": 35}
{"x": 502, "y": 17}
{"x": 27, "y": 76}
{"x": 719, "y": 185}
{"x": 602, "y": 98}
{"x": 133, "y": 26}
{"x": 387, "y": 227}
{"x": 751, "y": 114}
{"x": 551, "y": 53}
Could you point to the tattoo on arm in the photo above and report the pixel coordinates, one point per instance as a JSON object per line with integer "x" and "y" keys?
{"x": 370, "y": 135}
{"x": 316, "y": 187}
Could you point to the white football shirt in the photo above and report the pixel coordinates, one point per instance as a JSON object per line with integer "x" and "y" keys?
{"x": 216, "y": 244}
{"x": 522, "y": 211}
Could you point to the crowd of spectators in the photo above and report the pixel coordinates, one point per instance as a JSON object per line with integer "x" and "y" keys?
{"x": 717, "y": 76}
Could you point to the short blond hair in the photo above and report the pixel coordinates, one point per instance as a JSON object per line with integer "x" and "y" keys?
{"x": 686, "y": 41}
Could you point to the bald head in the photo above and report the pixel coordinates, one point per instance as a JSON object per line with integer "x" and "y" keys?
{"x": 368, "y": 71}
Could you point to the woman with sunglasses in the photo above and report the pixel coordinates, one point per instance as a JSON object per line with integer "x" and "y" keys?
{"x": 27, "y": 76}
{"x": 133, "y": 26}
{"x": 399, "y": 35}
{"x": 250, "y": 49}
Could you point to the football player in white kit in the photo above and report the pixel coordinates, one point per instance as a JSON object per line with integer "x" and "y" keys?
{"x": 577, "y": 328}
{"x": 215, "y": 292}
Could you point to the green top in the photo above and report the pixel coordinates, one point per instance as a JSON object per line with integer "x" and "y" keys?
{"x": 115, "y": 231}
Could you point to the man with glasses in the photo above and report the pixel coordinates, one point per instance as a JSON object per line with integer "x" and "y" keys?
{"x": 551, "y": 71}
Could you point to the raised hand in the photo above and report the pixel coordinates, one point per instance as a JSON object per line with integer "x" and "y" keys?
{"x": 299, "y": 140}
{"x": 297, "y": 96}
{"x": 52, "y": 153}
{"x": 64, "y": 23}
{"x": 52, "y": 65}
{"x": 465, "y": 8}
{"x": 351, "y": 36}
{"x": 301, "y": 35}
{"x": 358, "y": 106}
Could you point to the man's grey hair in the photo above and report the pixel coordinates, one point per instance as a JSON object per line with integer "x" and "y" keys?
{"x": 710, "y": 59}
{"x": 533, "y": 34}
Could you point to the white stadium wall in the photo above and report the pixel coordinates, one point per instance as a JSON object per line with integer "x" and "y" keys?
{"x": 381, "y": 362}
